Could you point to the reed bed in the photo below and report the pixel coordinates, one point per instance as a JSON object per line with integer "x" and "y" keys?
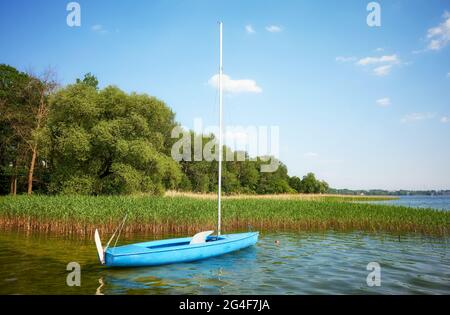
{"x": 80, "y": 215}
{"x": 317, "y": 197}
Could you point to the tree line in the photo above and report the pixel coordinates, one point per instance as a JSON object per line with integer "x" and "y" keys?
{"x": 383, "y": 192}
{"x": 80, "y": 139}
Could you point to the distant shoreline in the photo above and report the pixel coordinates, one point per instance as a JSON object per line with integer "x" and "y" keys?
{"x": 382, "y": 192}
{"x": 280, "y": 196}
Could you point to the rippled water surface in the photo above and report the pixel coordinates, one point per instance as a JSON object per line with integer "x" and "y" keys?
{"x": 435, "y": 202}
{"x": 305, "y": 263}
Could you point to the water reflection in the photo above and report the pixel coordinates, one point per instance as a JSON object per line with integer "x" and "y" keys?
{"x": 301, "y": 263}
{"x": 432, "y": 202}
{"x": 99, "y": 289}
{"x": 209, "y": 276}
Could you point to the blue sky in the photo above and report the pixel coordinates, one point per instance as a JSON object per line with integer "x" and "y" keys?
{"x": 362, "y": 107}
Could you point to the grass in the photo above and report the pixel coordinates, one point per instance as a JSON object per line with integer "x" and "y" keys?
{"x": 317, "y": 197}
{"x": 80, "y": 215}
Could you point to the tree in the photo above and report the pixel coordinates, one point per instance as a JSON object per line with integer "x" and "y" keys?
{"x": 109, "y": 142}
{"x": 13, "y": 149}
{"x": 296, "y": 183}
{"x": 324, "y": 187}
{"x": 248, "y": 176}
{"x": 201, "y": 175}
{"x": 24, "y": 107}
{"x": 309, "y": 184}
{"x": 89, "y": 80}
{"x": 275, "y": 182}
{"x": 83, "y": 140}
{"x": 41, "y": 88}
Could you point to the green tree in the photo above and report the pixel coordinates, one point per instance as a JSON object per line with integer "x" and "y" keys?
{"x": 90, "y": 80}
{"x": 248, "y": 176}
{"x": 309, "y": 184}
{"x": 13, "y": 119}
{"x": 276, "y": 182}
{"x": 296, "y": 183}
{"x": 109, "y": 142}
{"x": 200, "y": 174}
{"x": 324, "y": 187}
{"x": 83, "y": 140}
{"x": 24, "y": 107}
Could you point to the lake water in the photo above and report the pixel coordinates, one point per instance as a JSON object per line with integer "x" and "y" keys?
{"x": 303, "y": 263}
{"x": 435, "y": 202}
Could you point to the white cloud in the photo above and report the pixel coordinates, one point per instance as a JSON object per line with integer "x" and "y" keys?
{"x": 383, "y": 63}
{"x": 235, "y": 86}
{"x": 438, "y": 37}
{"x": 379, "y": 49}
{"x": 249, "y": 29}
{"x": 448, "y": 75}
{"x": 382, "y": 70}
{"x": 379, "y": 65}
{"x": 345, "y": 59}
{"x": 418, "y": 51}
{"x": 274, "y": 28}
{"x": 376, "y": 60}
{"x": 98, "y": 28}
{"x": 414, "y": 117}
{"x": 311, "y": 155}
{"x": 384, "y": 102}
{"x": 445, "y": 119}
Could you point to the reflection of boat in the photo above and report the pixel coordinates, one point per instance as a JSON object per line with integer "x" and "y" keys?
{"x": 200, "y": 246}
{"x": 206, "y": 276}
{"x": 102, "y": 284}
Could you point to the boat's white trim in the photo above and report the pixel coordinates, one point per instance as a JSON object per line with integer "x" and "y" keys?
{"x": 98, "y": 244}
{"x": 200, "y": 238}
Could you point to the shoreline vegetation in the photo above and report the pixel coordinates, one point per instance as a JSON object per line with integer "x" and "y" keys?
{"x": 81, "y": 139}
{"x": 63, "y": 146}
{"x": 177, "y": 213}
{"x": 292, "y": 196}
{"x": 86, "y": 156}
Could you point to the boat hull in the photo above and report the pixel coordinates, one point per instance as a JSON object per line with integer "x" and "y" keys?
{"x": 176, "y": 250}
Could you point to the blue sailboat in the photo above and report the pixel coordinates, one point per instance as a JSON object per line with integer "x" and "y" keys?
{"x": 176, "y": 250}
{"x": 201, "y": 246}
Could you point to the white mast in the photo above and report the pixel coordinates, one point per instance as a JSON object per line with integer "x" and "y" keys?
{"x": 220, "y": 130}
